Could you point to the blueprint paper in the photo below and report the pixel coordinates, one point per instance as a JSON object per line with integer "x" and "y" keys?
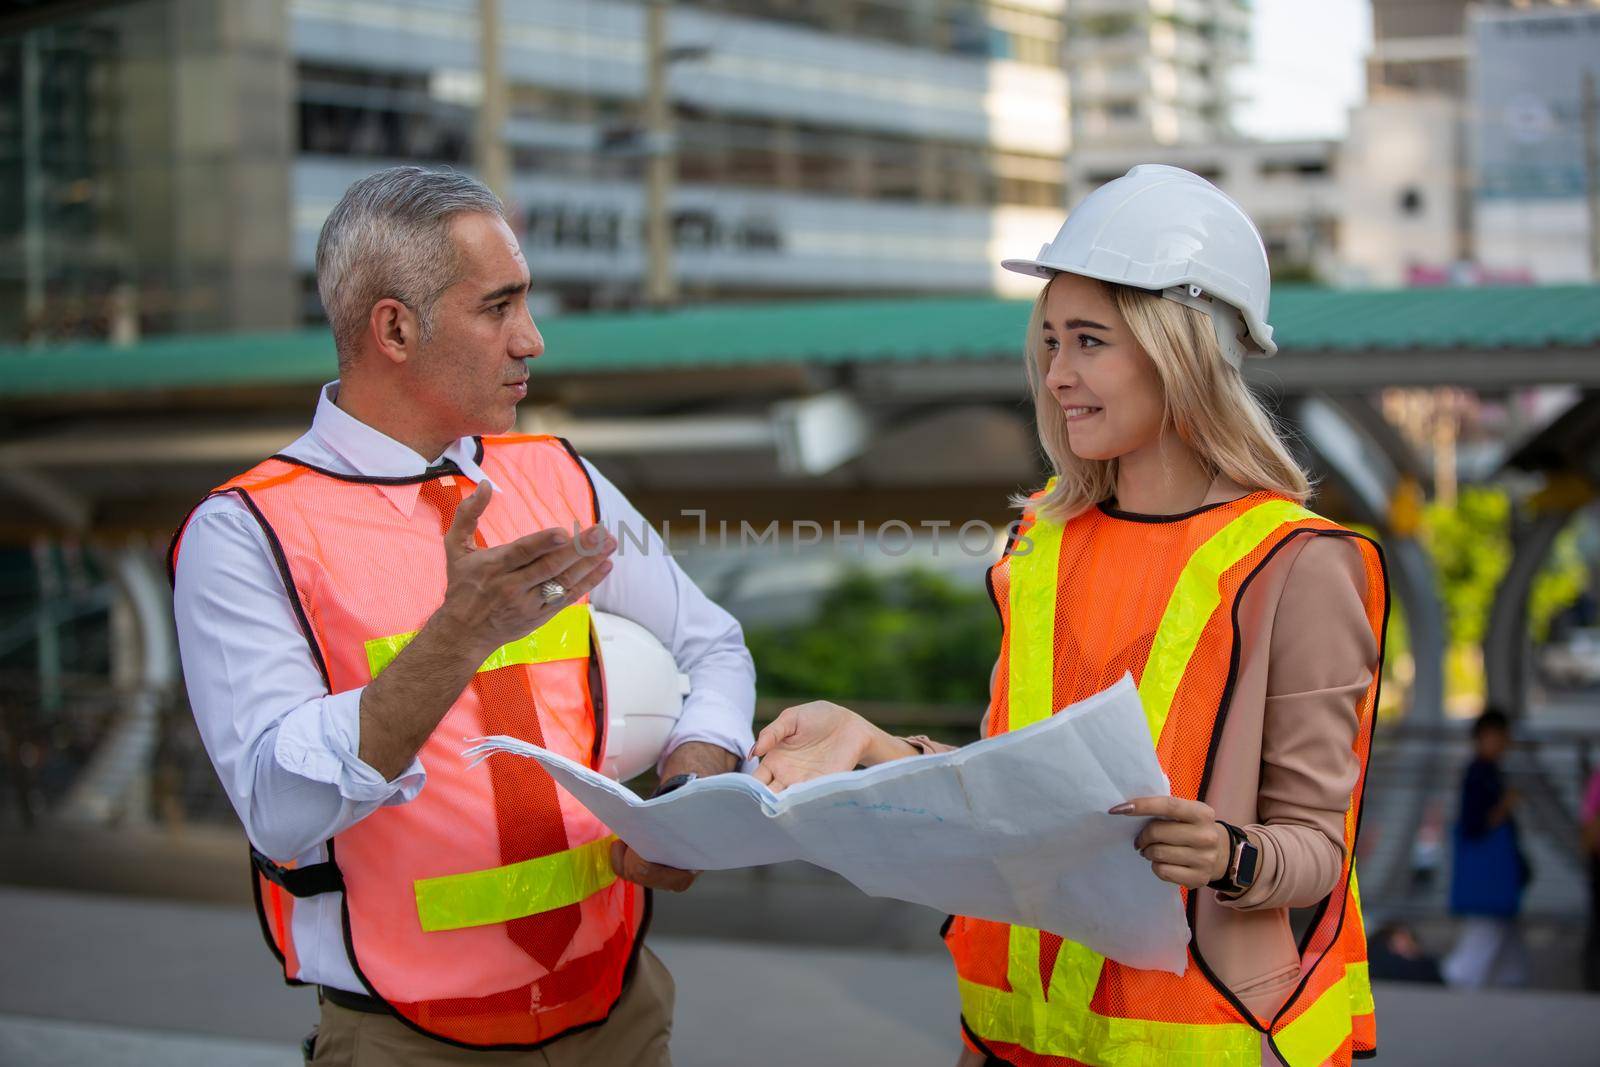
{"x": 1012, "y": 828}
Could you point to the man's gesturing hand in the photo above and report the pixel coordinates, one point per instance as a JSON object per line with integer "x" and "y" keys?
{"x": 491, "y": 597}
{"x": 493, "y": 593}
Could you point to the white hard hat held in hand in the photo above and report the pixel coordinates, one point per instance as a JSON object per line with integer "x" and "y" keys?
{"x": 644, "y": 693}
{"x": 1167, "y": 230}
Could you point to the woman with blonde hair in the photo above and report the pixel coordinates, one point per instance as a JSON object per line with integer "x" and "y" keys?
{"x": 1173, "y": 543}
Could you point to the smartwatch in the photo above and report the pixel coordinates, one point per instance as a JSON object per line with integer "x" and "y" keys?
{"x": 677, "y": 781}
{"x": 1244, "y": 861}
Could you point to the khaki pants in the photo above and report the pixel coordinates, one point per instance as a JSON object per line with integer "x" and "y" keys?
{"x": 636, "y": 1034}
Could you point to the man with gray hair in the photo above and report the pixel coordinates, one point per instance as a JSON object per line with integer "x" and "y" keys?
{"x": 408, "y": 574}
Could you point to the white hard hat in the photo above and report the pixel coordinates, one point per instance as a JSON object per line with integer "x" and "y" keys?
{"x": 644, "y": 693}
{"x": 1166, "y": 230}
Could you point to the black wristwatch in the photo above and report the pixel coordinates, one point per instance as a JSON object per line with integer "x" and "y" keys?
{"x": 1244, "y": 861}
{"x": 677, "y": 781}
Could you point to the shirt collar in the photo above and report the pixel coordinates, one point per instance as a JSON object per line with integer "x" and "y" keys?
{"x": 371, "y": 453}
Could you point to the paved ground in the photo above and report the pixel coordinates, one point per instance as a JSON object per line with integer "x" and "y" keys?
{"x": 113, "y": 980}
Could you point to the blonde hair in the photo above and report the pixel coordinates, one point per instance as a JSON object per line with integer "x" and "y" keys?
{"x": 1204, "y": 400}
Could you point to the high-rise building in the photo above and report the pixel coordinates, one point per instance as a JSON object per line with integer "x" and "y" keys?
{"x": 1449, "y": 80}
{"x": 1532, "y": 209}
{"x": 1154, "y": 71}
{"x": 175, "y": 158}
{"x": 1423, "y": 45}
{"x": 144, "y": 179}
{"x": 830, "y": 148}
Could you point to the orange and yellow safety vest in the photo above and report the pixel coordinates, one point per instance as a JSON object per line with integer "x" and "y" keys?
{"x": 483, "y": 912}
{"x": 1080, "y": 603}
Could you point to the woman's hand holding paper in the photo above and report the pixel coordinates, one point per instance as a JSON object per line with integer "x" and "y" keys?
{"x": 810, "y": 740}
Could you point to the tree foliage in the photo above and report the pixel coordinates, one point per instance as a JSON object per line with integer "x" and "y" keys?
{"x": 910, "y": 636}
{"x": 1470, "y": 542}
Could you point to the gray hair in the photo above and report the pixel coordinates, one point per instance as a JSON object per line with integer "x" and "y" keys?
{"x": 389, "y": 237}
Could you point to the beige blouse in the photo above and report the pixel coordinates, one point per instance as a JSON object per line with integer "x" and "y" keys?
{"x": 1286, "y": 765}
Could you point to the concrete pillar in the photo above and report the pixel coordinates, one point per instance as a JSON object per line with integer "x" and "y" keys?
{"x": 114, "y": 785}
{"x": 208, "y": 130}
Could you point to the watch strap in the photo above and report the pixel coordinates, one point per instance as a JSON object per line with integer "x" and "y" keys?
{"x": 1238, "y": 844}
{"x": 677, "y": 781}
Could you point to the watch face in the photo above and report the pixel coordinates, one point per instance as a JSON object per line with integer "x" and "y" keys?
{"x": 1247, "y": 866}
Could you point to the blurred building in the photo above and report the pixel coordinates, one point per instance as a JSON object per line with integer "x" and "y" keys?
{"x": 1290, "y": 188}
{"x": 1422, "y": 45}
{"x": 824, "y": 148}
{"x": 1403, "y": 182}
{"x": 1530, "y": 209}
{"x": 1154, "y": 72}
{"x": 1444, "y": 79}
{"x": 167, "y": 163}
{"x": 143, "y": 177}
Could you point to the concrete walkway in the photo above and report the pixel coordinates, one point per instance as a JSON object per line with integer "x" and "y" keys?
{"x": 116, "y": 981}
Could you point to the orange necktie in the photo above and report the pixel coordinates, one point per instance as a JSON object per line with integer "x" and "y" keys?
{"x": 526, "y": 810}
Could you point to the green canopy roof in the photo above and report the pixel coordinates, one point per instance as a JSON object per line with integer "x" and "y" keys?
{"x": 854, "y": 331}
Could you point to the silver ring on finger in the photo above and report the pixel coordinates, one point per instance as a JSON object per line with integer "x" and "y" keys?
{"x": 552, "y": 591}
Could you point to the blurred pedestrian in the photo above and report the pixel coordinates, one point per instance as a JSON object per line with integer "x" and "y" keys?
{"x": 1590, "y": 816}
{"x": 1489, "y": 871}
{"x": 1395, "y": 955}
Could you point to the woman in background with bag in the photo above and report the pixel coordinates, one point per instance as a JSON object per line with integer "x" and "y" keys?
{"x": 1489, "y": 870}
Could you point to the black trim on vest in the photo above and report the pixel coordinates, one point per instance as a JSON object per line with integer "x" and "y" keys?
{"x": 595, "y": 674}
{"x": 627, "y": 980}
{"x": 177, "y": 539}
{"x": 300, "y": 882}
{"x": 439, "y": 471}
{"x": 1013, "y": 531}
{"x": 266, "y": 928}
{"x": 989, "y": 1058}
{"x": 1105, "y": 508}
{"x": 279, "y": 558}
{"x": 944, "y": 927}
{"x": 282, "y": 560}
{"x": 594, "y": 494}
{"x": 257, "y": 872}
{"x": 1364, "y": 1053}
{"x": 1355, "y": 840}
{"x": 1205, "y": 781}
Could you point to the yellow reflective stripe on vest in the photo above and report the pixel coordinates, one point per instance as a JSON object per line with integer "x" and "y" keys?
{"x": 565, "y": 636}
{"x": 1316, "y": 1033}
{"x": 500, "y": 894}
{"x": 1196, "y": 596}
{"x": 1031, "y": 699}
{"x": 1071, "y": 1030}
{"x": 1359, "y": 980}
{"x": 1064, "y": 1025}
{"x": 1030, "y": 693}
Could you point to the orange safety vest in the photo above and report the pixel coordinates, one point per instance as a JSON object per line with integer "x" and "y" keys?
{"x": 1080, "y": 603}
{"x": 428, "y": 896}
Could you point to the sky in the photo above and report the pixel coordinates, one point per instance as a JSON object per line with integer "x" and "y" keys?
{"x": 1307, "y": 68}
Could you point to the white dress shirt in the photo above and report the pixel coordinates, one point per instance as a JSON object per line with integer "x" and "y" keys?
{"x": 286, "y": 750}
